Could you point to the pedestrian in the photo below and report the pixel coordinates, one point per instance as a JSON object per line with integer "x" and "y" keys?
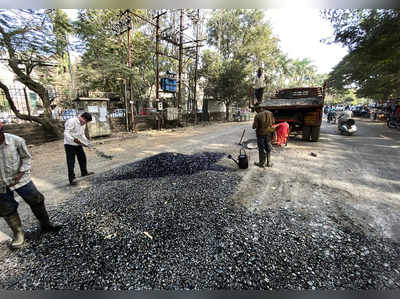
{"x": 15, "y": 167}
{"x": 259, "y": 85}
{"x": 74, "y": 140}
{"x": 263, "y": 124}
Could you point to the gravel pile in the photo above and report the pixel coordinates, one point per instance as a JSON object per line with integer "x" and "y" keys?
{"x": 168, "y": 222}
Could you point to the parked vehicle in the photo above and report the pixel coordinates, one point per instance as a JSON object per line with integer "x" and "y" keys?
{"x": 68, "y": 113}
{"x": 339, "y": 107}
{"x": 300, "y": 107}
{"x": 392, "y": 122}
{"x": 116, "y": 113}
{"x": 365, "y": 112}
{"x": 377, "y": 114}
{"x": 347, "y": 127}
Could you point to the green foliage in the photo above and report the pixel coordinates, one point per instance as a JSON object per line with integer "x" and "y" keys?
{"x": 373, "y": 63}
{"x": 243, "y": 42}
{"x": 105, "y": 53}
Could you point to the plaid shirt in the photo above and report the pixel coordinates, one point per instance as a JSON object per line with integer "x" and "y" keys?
{"x": 14, "y": 158}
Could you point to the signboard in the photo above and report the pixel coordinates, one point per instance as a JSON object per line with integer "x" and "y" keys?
{"x": 93, "y": 109}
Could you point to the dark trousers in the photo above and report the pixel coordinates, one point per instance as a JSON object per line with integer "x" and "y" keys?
{"x": 29, "y": 193}
{"x": 259, "y": 94}
{"x": 264, "y": 148}
{"x": 72, "y": 151}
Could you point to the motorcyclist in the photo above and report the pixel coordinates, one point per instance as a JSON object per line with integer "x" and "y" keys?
{"x": 344, "y": 116}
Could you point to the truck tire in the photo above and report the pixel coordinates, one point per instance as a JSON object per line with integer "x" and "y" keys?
{"x": 306, "y": 133}
{"x": 315, "y": 133}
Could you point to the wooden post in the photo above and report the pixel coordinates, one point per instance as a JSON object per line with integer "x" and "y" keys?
{"x": 27, "y": 104}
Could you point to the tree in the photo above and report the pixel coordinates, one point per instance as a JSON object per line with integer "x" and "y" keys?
{"x": 27, "y": 39}
{"x": 243, "y": 41}
{"x": 227, "y": 79}
{"x": 373, "y": 63}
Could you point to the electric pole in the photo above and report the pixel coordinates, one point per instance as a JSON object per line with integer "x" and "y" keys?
{"x": 195, "y": 68}
{"x": 180, "y": 67}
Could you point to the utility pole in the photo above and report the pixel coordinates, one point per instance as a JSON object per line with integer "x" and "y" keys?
{"x": 180, "y": 67}
{"x": 195, "y": 68}
{"x": 125, "y": 24}
{"x": 131, "y": 102}
{"x": 157, "y": 53}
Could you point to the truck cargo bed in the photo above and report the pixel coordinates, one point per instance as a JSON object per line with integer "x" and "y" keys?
{"x": 293, "y": 103}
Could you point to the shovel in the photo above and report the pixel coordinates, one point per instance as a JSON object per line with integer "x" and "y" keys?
{"x": 98, "y": 152}
{"x": 240, "y": 142}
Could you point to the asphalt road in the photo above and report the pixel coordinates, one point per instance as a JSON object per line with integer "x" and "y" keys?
{"x": 353, "y": 180}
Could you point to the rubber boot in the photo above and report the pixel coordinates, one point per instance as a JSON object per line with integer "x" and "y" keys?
{"x": 14, "y": 222}
{"x": 41, "y": 214}
{"x": 261, "y": 159}
{"x": 269, "y": 163}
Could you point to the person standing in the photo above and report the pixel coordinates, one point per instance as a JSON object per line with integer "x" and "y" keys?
{"x": 15, "y": 175}
{"x": 259, "y": 85}
{"x": 74, "y": 140}
{"x": 263, "y": 124}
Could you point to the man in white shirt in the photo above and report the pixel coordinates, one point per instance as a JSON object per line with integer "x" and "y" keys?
{"x": 15, "y": 175}
{"x": 259, "y": 85}
{"x": 74, "y": 139}
{"x": 344, "y": 116}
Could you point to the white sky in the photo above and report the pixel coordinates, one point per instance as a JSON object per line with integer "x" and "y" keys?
{"x": 300, "y": 32}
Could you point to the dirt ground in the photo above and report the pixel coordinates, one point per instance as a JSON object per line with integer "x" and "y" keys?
{"x": 353, "y": 180}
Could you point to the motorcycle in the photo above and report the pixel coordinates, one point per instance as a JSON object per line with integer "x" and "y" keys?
{"x": 331, "y": 117}
{"x": 347, "y": 127}
{"x": 392, "y": 123}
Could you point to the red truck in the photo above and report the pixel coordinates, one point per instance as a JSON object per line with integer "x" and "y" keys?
{"x": 300, "y": 107}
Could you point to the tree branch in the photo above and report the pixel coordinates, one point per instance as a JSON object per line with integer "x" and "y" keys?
{"x": 14, "y": 108}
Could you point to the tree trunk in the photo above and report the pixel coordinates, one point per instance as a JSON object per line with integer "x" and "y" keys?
{"x": 51, "y": 126}
{"x": 228, "y": 108}
{"x": 205, "y": 110}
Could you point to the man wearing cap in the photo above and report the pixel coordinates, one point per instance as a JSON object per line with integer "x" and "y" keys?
{"x": 264, "y": 126}
{"x": 15, "y": 175}
{"x": 74, "y": 139}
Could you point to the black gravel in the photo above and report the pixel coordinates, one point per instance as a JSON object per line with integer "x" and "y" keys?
{"x": 168, "y": 222}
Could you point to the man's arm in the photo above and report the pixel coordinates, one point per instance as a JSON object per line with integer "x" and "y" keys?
{"x": 69, "y": 126}
{"x": 255, "y": 122}
{"x": 25, "y": 158}
{"x": 24, "y": 155}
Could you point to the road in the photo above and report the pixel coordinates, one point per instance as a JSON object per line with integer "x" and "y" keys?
{"x": 353, "y": 181}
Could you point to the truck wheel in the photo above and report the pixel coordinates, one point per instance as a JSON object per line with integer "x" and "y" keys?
{"x": 306, "y": 133}
{"x": 315, "y": 133}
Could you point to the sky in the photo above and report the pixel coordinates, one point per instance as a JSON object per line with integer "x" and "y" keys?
{"x": 300, "y": 32}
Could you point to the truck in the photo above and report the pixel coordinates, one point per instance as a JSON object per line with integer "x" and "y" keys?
{"x": 301, "y": 107}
